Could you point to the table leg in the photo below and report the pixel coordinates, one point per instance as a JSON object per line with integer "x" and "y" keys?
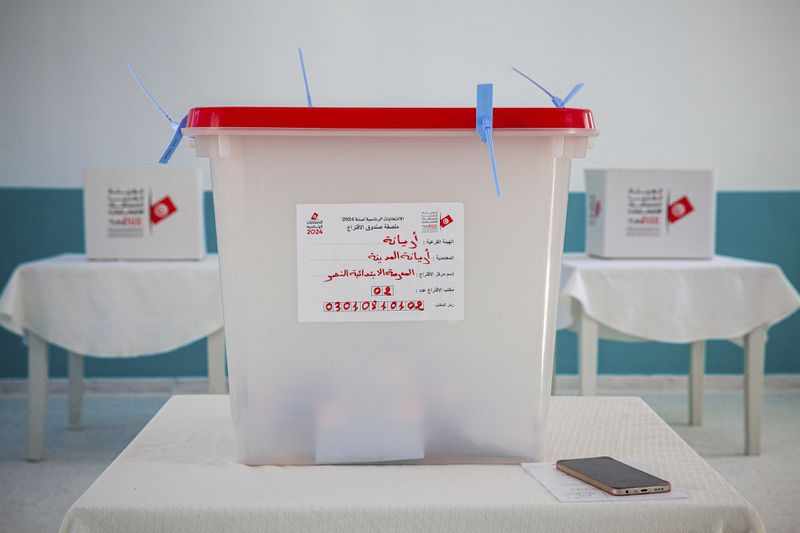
{"x": 754, "y": 344}
{"x": 75, "y": 389}
{"x": 587, "y": 348}
{"x": 553, "y": 375}
{"x": 697, "y": 365}
{"x": 215, "y": 345}
{"x": 37, "y": 394}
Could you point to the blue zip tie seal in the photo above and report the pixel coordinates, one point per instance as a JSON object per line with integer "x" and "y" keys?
{"x": 558, "y": 102}
{"x": 483, "y": 125}
{"x": 173, "y": 144}
{"x": 305, "y": 77}
{"x": 172, "y": 123}
{"x": 176, "y": 128}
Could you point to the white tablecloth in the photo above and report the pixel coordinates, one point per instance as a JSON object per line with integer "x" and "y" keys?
{"x": 114, "y": 308}
{"x": 179, "y": 475}
{"x": 675, "y": 300}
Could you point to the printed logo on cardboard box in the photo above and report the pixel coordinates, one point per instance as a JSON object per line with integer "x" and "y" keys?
{"x": 679, "y": 209}
{"x": 128, "y": 210}
{"x": 594, "y": 209}
{"x": 162, "y": 209}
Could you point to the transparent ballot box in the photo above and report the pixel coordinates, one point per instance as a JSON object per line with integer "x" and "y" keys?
{"x": 381, "y": 302}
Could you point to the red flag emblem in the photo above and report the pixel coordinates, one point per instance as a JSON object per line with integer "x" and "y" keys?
{"x": 162, "y": 209}
{"x": 679, "y": 209}
{"x": 446, "y": 221}
{"x": 315, "y": 216}
{"x": 596, "y": 209}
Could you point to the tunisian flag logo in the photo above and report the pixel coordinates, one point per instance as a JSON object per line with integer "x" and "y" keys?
{"x": 162, "y": 209}
{"x": 446, "y": 221}
{"x": 679, "y": 209}
{"x": 595, "y": 210}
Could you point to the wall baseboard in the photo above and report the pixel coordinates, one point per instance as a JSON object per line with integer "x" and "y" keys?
{"x": 564, "y": 385}
{"x": 713, "y": 383}
{"x": 156, "y": 386}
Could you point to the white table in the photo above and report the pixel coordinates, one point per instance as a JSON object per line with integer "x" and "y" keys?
{"x": 179, "y": 474}
{"x": 678, "y": 301}
{"x": 109, "y": 309}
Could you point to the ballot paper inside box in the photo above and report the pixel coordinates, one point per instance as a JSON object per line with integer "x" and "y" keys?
{"x": 650, "y": 213}
{"x": 144, "y": 214}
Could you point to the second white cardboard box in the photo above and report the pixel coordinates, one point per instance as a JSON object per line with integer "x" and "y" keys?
{"x": 636, "y": 213}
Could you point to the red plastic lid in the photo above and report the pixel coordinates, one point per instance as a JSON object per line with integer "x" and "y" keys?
{"x": 385, "y": 118}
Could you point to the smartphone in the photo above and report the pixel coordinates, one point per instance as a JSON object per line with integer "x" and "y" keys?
{"x": 612, "y": 476}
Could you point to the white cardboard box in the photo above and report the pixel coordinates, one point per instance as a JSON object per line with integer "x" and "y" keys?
{"x": 152, "y": 213}
{"x": 636, "y": 213}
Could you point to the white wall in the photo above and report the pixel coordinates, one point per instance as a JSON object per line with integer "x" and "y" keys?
{"x": 692, "y": 84}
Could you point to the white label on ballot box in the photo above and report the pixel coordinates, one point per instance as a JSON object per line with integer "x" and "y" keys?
{"x": 380, "y": 262}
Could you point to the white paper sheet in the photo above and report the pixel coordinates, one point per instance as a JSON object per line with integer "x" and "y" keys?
{"x": 568, "y": 489}
{"x": 380, "y": 262}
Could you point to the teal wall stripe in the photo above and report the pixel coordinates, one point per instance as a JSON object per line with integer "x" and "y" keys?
{"x": 764, "y": 226}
